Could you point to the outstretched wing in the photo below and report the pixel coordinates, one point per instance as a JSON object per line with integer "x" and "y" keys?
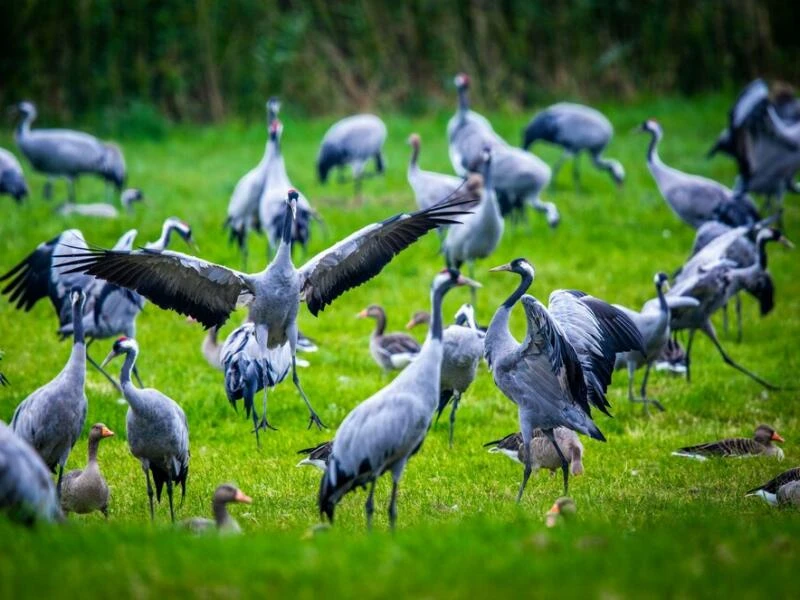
{"x": 362, "y": 255}
{"x": 596, "y": 331}
{"x": 186, "y": 284}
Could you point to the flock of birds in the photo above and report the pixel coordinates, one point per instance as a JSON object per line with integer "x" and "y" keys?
{"x": 555, "y": 376}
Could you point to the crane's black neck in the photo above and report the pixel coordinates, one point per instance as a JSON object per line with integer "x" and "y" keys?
{"x": 463, "y": 103}
{"x": 77, "y": 323}
{"x": 25, "y": 124}
{"x": 436, "y": 309}
{"x": 288, "y": 225}
{"x": 414, "y": 155}
{"x": 487, "y": 176}
{"x": 130, "y": 359}
{"x": 762, "y": 252}
{"x": 524, "y": 284}
{"x": 652, "y": 149}
{"x": 662, "y": 301}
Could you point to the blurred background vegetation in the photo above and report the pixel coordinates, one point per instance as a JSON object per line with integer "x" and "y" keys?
{"x": 139, "y": 62}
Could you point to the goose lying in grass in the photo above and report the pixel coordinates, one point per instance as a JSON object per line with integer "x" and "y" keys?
{"x": 782, "y": 490}
{"x": 543, "y": 454}
{"x": 223, "y": 522}
{"x": 759, "y": 445}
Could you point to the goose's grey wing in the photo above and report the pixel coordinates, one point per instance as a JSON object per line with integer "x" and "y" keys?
{"x": 362, "y": 255}
{"x": 186, "y": 284}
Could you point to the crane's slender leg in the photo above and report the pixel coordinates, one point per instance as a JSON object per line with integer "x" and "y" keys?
{"x": 146, "y": 470}
{"x": 397, "y": 473}
{"x": 548, "y": 209}
{"x": 738, "y": 299}
{"x": 264, "y": 423}
{"x": 725, "y": 318}
{"x": 689, "y": 356}
{"x": 369, "y": 507}
{"x": 60, "y": 476}
{"x": 645, "y": 398}
{"x": 453, "y": 409}
{"x": 71, "y": 190}
{"x": 313, "y": 416}
{"x": 560, "y": 163}
{"x": 631, "y": 371}
{"x": 105, "y": 373}
{"x": 564, "y": 462}
{"x": 169, "y": 495}
{"x": 576, "y": 172}
{"x": 472, "y": 290}
{"x": 47, "y": 190}
{"x": 526, "y": 429}
{"x": 708, "y": 329}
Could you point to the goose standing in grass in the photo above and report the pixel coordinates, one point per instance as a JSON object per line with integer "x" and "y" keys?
{"x": 318, "y": 456}
{"x": 653, "y": 323}
{"x": 692, "y": 198}
{"x": 67, "y": 153}
{"x": 222, "y": 522}
{"x": 479, "y": 233}
{"x": 210, "y": 292}
{"x": 564, "y": 364}
{"x": 430, "y": 187}
{"x": 759, "y": 445}
{"x": 102, "y": 210}
{"x": 272, "y": 205}
{"x": 543, "y": 453}
{"x": 243, "y": 205}
{"x": 576, "y": 128}
{"x": 27, "y": 493}
{"x": 392, "y": 351}
{"x": 52, "y": 417}
{"x": 780, "y": 490}
{"x": 158, "y": 433}
{"x": 12, "y": 179}
{"x": 352, "y": 141}
{"x": 463, "y": 350}
{"x": 85, "y": 490}
{"x": 383, "y": 432}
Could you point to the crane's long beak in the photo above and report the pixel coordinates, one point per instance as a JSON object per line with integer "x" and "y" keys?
{"x": 505, "y": 267}
{"x": 192, "y": 244}
{"x": 108, "y": 358}
{"x": 786, "y": 242}
{"x": 106, "y": 432}
{"x": 242, "y": 497}
{"x": 467, "y": 281}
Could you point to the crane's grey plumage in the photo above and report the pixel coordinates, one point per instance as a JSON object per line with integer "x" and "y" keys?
{"x": 653, "y": 323}
{"x": 247, "y": 372}
{"x": 576, "y": 128}
{"x": 384, "y": 431}
{"x": 392, "y": 351}
{"x": 479, "y": 233}
{"x": 52, "y": 417}
{"x": 463, "y": 350}
{"x": 223, "y": 522}
{"x": 85, "y": 490}
{"x": 713, "y": 280}
{"x": 564, "y": 364}
{"x": 272, "y": 204}
{"x": 158, "y": 432}
{"x": 27, "y": 493}
{"x": 243, "y": 205}
{"x": 67, "y": 153}
{"x": 430, "y": 187}
{"x": 12, "y": 179}
{"x": 778, "y": 488}
{"x": 692, "y": 198}
{"x": 210, "y": 292}
{"x": 352, "y": 141}
{"x": 764, "y": 139}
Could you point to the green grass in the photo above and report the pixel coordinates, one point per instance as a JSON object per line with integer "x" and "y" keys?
{"x": 649, "y": 524}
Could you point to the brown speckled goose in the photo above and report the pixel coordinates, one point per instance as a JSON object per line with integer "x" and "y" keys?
{"x": 85, "y": 490}
{"x": 759, "y": 445}
{"x": 317, "y": 456}
{"x": 543, "y": 455}
{"x": 392, "y": 351}
{"x": 781, "y": 490}
{"x": 223, "y": 521}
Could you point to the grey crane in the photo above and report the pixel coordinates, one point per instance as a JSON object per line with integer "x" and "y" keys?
{"x": 86, "y": 490}
{"x": 653, "y": 324}
{"x": 27, "y": 493}
{"x": 102, "y": 210}
{"x": 713, "y": 280}
{"x": 223, "y": 522}
{"x": 243, "y": 205}
{"x": 272, "y": 204}
{"x": 743, "y": 252}
{"x": 468, "y": 132}
{"x": 247, "y": 372}
{"x": 67, "y": 153}
{"x": 210, "y": 292}
{"x": 576, "y": 128}
{"x": 479, "y": 233}
{"x": 52, "y": 417}
{"x": 430, "y": 187}
{"x": 519, "y": 179}
{"x": 352, "y": 141}
{"x": 463, "y": 350}
{"x": 391, "y": 351}
{"x": 382, "y": 433}
{"x": 157, "y": 429}
{"x": 692, "y": 198}
{"x": 765, "y": 145}
{"x": 12, "y": 179}
{"x": 564, "y": 364}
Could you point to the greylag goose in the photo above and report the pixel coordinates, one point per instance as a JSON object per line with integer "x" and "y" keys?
{"x": 759, "y": 445}
{"x": 85, "y": 490}
{"x": 392, "y": 351}
{"x": 543, "y": 454}
{"x": 223, "y": 522}
{"x": 782, "y": 489}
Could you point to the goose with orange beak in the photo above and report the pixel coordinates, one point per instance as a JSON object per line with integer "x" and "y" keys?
{"x": 85, "y": 490}
{"x": 223, "y": 522}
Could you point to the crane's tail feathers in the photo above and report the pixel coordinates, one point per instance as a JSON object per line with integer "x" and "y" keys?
{"x": 594, "y": 432}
